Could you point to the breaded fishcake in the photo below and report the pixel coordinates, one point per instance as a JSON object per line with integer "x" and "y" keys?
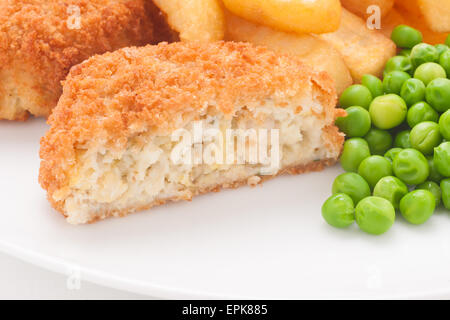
{"x": 110, "y": 145}
{"x": 40, "y": 40}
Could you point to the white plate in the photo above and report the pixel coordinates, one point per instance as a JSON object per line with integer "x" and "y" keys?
{"x": 265, "y": 242}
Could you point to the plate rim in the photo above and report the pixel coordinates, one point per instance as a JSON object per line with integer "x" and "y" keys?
{"x": 149, "y": 290}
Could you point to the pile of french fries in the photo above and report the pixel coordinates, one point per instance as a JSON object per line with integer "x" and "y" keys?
{"x": 329, "y": 35}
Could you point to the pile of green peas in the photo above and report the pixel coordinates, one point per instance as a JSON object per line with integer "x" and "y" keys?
{"x": 397, "y": 149}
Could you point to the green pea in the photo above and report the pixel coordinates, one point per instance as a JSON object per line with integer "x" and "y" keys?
{"x": 425, "y": 137}
{"x": 391, "y": 153}
{"x": 438, "y": 94}
{"x": 447, "y": 41}
{"x": 402, "y": 139}
{"x": 379, "y": 141}
{"x": 393, "y": 81}
{"x": 398, "y": 63}
{"x": 444, "y": 61}
{"x": 373, "y": 168}
{"x": 339, "y": 210}
{"x": 423, "y": 53}
{"x": 357, "y": 122}
{"x": 411, "y": 167}
{"x": 375, "y": 215}
{"x": 413, "y": 91}
{"x": 441, "y": 48}
{"x": 388, "y": 111}
{"x": 434, "y": 173}
{"x": 421, "y": 112}
{"x": 445, "y": 189}
{"x": 356, "y": 95}
{"x": 429, "y": 71}
{"x": 442, "y": 159}
{"x": 417, "y": 206}
{"x": 444, "y": 124}
{"x": 434, "y": 188}
{"x": 391, "y": 189}
{"x": 405, "y": 53}
{"x": 353, "y": 185}
{"x": 406, "y": 37}
{"x": 374, "y": 84}
{"x": 355, "y": 150}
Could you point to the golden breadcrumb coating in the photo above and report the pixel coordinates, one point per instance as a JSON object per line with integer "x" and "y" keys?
{"x": 112, "y": 98}
{"x": 40, "y": 41}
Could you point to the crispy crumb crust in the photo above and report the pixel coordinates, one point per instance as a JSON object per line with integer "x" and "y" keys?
{"x": 156, "y": 89}
{"x": 36, "y": 34}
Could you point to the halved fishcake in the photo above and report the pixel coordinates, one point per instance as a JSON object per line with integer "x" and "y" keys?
{"x": 40, "y": 40}
{"x": 122, "y": 134}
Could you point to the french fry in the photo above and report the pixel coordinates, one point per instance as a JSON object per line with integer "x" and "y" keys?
{"x": 314, "y": 52}
{"x": 364, "y": 51}
{"x": 408, "y": 6}
{"x": 437, "y": 14}
{"x": 359, "y": 7}
{"x": 194, "y": 20}
{"x": 407, "y": 12}
{"x": 300, "y": 16}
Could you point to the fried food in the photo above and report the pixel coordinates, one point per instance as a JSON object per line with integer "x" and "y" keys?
{"x": 437, "y": 14}
{"x": 313, "y": 51}
{"x": 364, "y": 51}
{"x": 359, "y": 7}
{"x": 426, "y": 17}
{"x": 410, "y": 16}
{"x": 194, "y": 20}
{"x": 41, "y": 40}
{"x": 408, "y": 6}
{"x": 430, "y": 15}
{"x": 110, "y": 145}
{"x": 301, "y": 16}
